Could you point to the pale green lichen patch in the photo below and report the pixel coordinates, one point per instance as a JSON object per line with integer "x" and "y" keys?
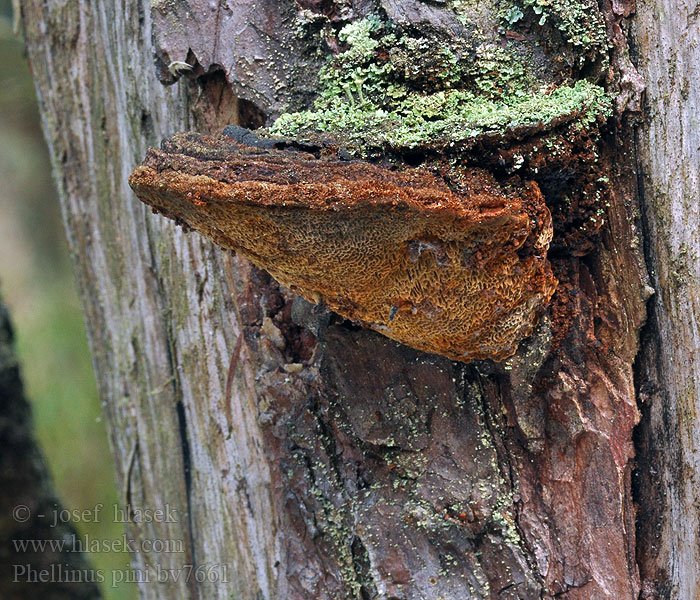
{"x": 445, "y": 117}
{"x": 377, "y": 94}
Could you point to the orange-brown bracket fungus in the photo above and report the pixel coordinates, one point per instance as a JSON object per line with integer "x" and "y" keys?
{"x": 453, "y": 265}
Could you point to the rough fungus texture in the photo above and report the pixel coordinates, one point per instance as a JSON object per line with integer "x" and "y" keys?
{"x": 453, "y": 264}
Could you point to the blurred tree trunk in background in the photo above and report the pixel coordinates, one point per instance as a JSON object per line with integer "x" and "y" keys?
{"x": 28, "y": 503}
{"x": 297, "y": 461}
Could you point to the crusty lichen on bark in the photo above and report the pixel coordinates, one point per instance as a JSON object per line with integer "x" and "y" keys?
{"x": 394, "y": 89}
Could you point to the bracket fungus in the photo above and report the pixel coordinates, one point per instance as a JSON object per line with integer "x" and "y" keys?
{"x": 452, "y": 264}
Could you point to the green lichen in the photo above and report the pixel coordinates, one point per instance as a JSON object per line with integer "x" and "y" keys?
{"x": 445, "y": 117}
{"x": 331, "y": 521}
{"x": 495, "y": 73}
{"x": 579, "y": 21}
{"x": 374, "y": 95}
{"x": 460, "y": 7}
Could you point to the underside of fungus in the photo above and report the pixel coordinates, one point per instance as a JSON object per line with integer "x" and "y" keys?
{"x": 453, "y": 264}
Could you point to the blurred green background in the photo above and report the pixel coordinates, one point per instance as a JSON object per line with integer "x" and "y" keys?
{"x": 37, "y": 283}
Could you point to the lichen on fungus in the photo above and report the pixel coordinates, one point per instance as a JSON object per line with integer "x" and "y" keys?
{"x": 455, "y": 269}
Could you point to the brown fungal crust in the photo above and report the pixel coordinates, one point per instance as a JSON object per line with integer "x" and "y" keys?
{"x": 460, "y": 273}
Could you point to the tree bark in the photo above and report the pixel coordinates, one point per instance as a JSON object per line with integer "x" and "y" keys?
{"x": 312, "y": 459}
{"x": 668, "y": 148}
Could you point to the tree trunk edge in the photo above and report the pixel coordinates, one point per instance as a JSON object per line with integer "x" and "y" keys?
{"x": 667, "y": 374}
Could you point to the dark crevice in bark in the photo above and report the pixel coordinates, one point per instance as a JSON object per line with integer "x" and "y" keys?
{"x": 130, "y": 464}
{"x": 361, "y": 564}
{"x": 185, "y": 446}
{"x": 214, "y": 104}
{"x": 505, "y": 463}
{"x": 648, "y": 488}
{"x": 327, "y": 439}
{"x": 187, "y": 474}
{"x": 250, "y": 115}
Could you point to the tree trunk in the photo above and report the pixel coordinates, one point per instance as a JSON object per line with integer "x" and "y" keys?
{"x": 668, "y": 148}
{"x": 300, "y": 458}
{"x": 39, "y": 556}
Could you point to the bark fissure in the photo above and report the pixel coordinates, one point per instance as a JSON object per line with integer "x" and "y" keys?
{"x": 507, "y": 467}
{"x": 187, "y": 469}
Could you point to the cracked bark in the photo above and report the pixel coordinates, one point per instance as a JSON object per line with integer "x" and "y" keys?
{"x": 313, "y": 458}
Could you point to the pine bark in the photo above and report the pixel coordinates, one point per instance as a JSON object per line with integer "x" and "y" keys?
{"x": 312, "y": 459}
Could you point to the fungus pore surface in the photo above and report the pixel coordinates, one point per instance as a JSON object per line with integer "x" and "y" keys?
{"x": 452, "y": 263}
